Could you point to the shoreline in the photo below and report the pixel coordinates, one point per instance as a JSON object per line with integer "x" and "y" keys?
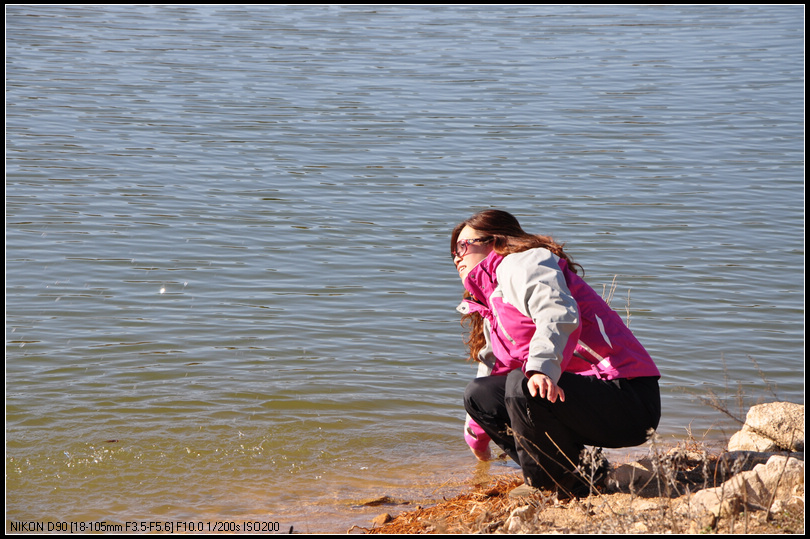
{"x": 752, "y": 482}
{"x": 464, "y": 476}
{"x": 487, "y": 508}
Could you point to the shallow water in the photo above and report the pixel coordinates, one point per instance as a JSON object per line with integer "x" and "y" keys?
{"x": 228, "y": 293}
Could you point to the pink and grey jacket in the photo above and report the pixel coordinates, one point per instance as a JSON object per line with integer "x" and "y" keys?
{"x": 540, "y": 316}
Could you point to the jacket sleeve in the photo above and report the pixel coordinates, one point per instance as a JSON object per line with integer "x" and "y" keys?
{"x": 475, "y": 436}
{"x": 533, "y": 282}
{"x": 486, "y": 356}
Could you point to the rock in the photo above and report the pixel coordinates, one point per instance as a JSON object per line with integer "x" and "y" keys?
{"x": 767, "y": 487}
{"x": 741, "y": 461}
{"x": 656, "y": 471}
{"x": 642, "y": 505}
{"x": 491, "y": 527}
{"x": 379, "y": 520}
{"x": 372, "y": 502}
{"x": 639, "y": 527}
{"x": 771, "y": 427}
{"x": 632, "y": 475}
{"x": 519, "y": 519}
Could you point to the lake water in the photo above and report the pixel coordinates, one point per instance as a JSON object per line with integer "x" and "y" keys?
{"x": 228, "y": 290}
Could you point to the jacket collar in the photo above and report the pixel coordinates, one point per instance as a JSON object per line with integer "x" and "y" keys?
{"x": 482, "y": 280}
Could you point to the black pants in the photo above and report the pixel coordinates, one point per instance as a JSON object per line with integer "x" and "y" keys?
{"x": 546, "y": 438}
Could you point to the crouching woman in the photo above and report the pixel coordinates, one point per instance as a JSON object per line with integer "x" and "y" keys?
{"x": 559, "y": 370}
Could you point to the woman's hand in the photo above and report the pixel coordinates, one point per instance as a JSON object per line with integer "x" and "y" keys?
{"x": 540, "y": 384}
{"x": 482, "y": 455}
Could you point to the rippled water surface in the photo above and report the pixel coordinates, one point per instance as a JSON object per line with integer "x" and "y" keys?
{"x": 228, "y": 289}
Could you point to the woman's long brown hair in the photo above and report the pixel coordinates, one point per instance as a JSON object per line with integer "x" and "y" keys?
{"x": 508, "y": 238}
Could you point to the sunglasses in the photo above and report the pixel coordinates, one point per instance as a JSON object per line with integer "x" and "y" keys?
{"x": 462, "y": 245}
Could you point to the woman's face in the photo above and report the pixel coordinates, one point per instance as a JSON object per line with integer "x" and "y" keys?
{"x": 474, "y": 254}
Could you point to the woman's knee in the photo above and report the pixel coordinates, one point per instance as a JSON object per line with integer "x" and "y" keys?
{"x": 516, "y": 385}
{"x": 473, "y": 390}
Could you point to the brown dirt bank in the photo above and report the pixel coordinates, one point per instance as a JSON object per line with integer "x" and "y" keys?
{"x": 652, "y": 509}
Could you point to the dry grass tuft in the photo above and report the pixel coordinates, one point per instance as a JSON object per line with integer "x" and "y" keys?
{"x": 478, "y": 511}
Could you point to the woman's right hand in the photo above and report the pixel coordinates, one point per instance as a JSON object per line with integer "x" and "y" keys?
{"x": 482, "y": 455}
{"x": 540, "y": 384}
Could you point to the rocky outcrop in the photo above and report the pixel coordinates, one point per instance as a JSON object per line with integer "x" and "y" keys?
{"x": 776, "y": 426}
{"x": 773, "y": 431}
{"x": 773, "y": 487}
{"x": 763, "y": 469}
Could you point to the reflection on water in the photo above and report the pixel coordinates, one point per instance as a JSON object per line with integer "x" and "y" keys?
{"x": 228, "y": 286}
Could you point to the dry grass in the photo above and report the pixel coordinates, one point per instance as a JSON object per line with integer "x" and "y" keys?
{"x": 466, "y": 513}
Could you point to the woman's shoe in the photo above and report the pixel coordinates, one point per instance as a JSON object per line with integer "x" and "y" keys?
{"x": 522, "y": 491}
